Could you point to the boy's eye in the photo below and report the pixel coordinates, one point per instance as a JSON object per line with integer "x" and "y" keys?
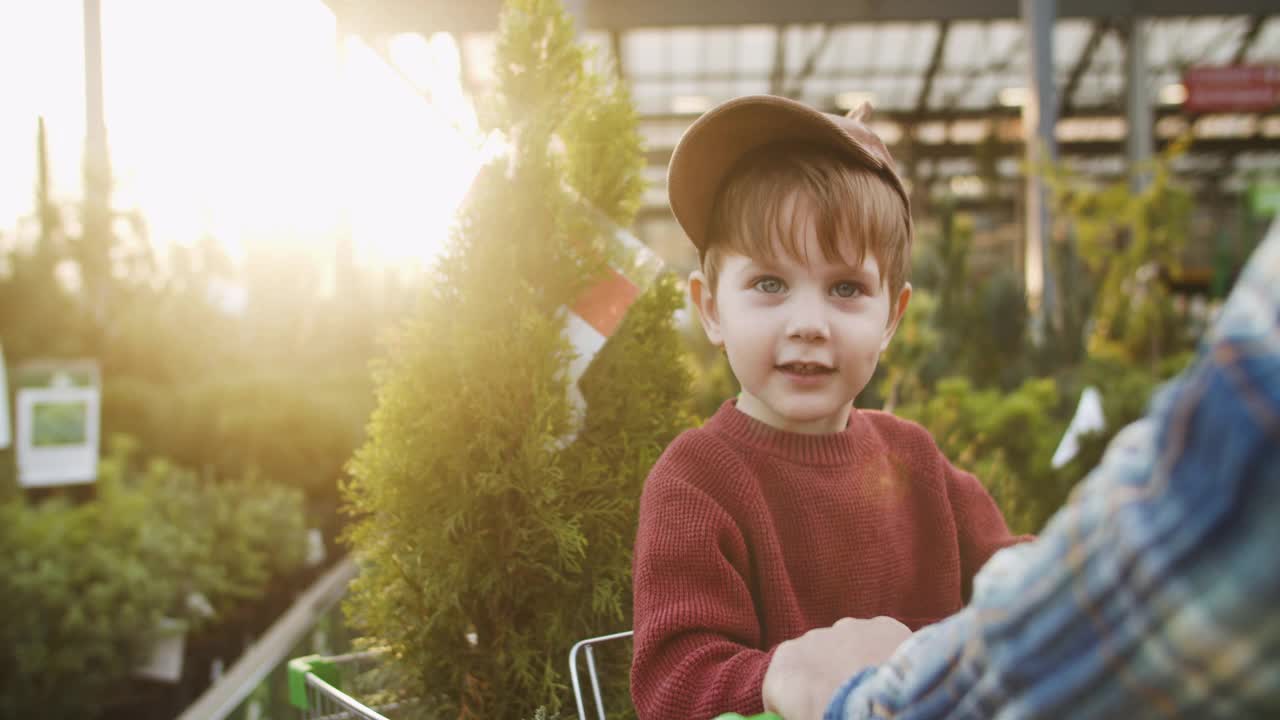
{"x": 846, "y": 289}
{"x": 770, "y": 285}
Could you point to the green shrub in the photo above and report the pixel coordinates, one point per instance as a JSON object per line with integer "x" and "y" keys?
{"x": 487, "y": 544}
{"x": 87, "y": 584}
{"x": 1006, "y": 439}
{"x": 80, "y": 604}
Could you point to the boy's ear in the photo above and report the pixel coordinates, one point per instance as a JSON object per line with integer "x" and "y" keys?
{"x": 896, "y": 311}
{"x": 700, "y": 293}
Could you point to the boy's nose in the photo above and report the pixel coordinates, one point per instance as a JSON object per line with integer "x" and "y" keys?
{"x": 808, "y": 321}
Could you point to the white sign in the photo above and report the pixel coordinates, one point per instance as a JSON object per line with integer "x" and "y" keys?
{"x": 58, "y": 431}
{"x": 1088, "y": 419}
{"x": 6, "y": 435}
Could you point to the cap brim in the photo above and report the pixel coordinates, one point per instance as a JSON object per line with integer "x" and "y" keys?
{"x": 712, "y": 145}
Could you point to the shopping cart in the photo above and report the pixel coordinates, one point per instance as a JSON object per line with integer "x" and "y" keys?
{"x": 316, "y": 685}
{"x": 587, "y": 648}
{"x": 316, "y": 682}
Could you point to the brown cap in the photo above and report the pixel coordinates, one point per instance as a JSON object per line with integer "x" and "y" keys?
{"x": 712, "y": 145}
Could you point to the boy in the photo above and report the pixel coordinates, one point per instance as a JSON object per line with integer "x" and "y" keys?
{"x": 790, "y": 509}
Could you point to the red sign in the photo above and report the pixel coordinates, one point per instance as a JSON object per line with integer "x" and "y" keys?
{"x": 1240, "y": 88}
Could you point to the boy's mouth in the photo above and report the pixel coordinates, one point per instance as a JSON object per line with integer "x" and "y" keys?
{"x": 801, "y": 368}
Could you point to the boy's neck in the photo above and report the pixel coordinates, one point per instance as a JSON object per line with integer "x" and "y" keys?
{"x": 748, "y": 405}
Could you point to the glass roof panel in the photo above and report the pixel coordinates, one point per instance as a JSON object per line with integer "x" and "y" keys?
{"x": 1266, "y": 47}
{"x": 1162, "y": 41}
{"x": 755, "y": 48}
{"x": 662, "y": 133}
{"x": 685, "y": 51}
{"x": 644, "y": 53}
{"x": 1109, "y": 54}
{"x": 964, "y": 43}
{"x": 856, "y": 47}
{"x": 1216, "y": 40}
{"x": 682, "y": 71}
{"x": 1090, "y": 92}
{"x": 1070, "y": 37}
{"x": 751, "y": 86}
{"x": 831, "y": 60}
{"x": 719, "y": 51}
{"x": 720, "y": 90}
{"x": 685, "y": 87}
{"x": 1005, "y": 43}
{"x": 904, "y": 97}
{"x": 920, "y": 45}
{"x": 651, "y": 98}
{"x": 901, "y": 47}
{"x": 946, "y": 90}
{"x": 801, "y": 41}
{"x": 820, "y": 91}
{"x": 979, "y": 93}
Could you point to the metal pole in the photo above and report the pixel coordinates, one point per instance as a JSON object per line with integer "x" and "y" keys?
{"x": 95, "y": 142}
{"x": 1140, "y": 115}
{"x": 595, "y": 680}
{"x": 585, "y": 645}
{"x": 1039, "y": 117}
{"x": 95, "y": 241}
{"x": 344, "y": 233}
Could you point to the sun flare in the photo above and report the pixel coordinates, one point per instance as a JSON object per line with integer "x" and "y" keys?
{"x": 246, "y": 121}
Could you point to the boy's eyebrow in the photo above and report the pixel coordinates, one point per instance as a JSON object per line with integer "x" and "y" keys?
{"x": 861, "y": 272}
{"x": 858, "y": 272}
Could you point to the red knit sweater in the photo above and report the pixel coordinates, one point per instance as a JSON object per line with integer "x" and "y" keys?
{"x": 750, "y": 536}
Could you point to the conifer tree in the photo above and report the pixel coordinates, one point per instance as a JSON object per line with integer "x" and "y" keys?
{"x": 488, "y": 544}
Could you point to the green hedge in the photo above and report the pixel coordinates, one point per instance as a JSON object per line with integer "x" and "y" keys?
{"x": 87, "y": 584}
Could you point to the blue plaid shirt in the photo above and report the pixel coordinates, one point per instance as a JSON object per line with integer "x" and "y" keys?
{"x": 1156, "y": 591}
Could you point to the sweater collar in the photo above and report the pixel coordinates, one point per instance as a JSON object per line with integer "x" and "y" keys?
{"x": 825, "y": 449}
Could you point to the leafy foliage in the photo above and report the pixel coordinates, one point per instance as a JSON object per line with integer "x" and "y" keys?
{"x": 278, "y": 386}
{"x": 87, "y": 584}
{"x": 1006, "y": 439}
{"x": 964, "y": 365}
{"x": 1127, "y": 239}
{"x": 487, "y": 544}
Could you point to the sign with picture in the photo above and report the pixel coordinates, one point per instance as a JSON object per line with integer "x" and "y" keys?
{"x": 58, "y": 413}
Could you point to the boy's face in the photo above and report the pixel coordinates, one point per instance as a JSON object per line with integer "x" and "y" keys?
{"x": 803, "y": 338}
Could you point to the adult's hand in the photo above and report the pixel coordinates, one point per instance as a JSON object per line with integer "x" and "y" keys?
{"x": 806, "y": 672}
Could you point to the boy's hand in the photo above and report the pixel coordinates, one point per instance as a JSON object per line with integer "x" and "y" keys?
{"x": 806, "y": 672}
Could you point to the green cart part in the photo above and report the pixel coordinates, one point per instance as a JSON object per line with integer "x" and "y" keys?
{"x": 299, "y": 668}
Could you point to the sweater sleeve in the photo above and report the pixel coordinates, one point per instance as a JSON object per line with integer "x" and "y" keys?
{"x": 697, "y": 636}
{"x": 979, "y": 523}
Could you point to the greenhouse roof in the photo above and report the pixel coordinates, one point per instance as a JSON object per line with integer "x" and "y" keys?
{"x": 946, "y": 75}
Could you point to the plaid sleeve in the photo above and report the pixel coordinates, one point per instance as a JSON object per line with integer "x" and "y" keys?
{"x": 1156, "y": 590}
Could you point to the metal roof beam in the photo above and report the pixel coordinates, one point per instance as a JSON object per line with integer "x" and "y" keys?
{"x": 615, "y": 49}
{"x": 1250, "y": 36}
{"x": 935, "y": 62}
{"x": 778, "y": 78}
{"x": 1227, "y": 148}
{"x": 1000, "y": 66}
{"x": 796, "y": 87}
{"x": 391, "y": 16}
{"x": 1100, "y": 28}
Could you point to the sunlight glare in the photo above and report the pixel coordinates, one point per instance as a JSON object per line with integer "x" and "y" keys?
{"x": 248, "y": 122}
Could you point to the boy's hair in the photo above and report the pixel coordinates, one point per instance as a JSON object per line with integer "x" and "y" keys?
{"x": 775, "y": 190}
